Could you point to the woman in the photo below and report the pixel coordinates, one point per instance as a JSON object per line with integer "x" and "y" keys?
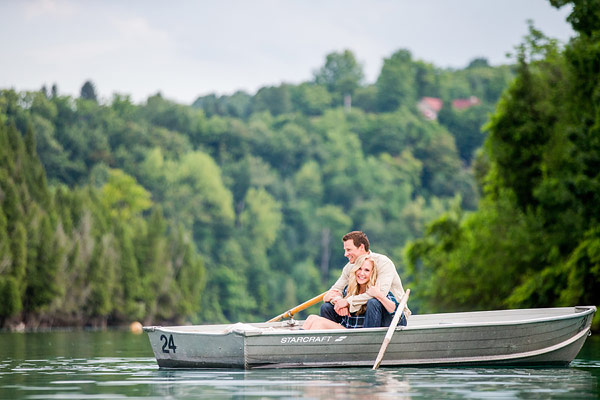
{"x": 362, "y": 280}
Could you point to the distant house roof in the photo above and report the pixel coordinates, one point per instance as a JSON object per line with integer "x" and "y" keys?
{"x": 463, "y": 104}
{"x": 434, "y": 103}
{"x": 430, "y": 106}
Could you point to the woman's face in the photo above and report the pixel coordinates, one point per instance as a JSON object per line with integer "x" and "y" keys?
{"x": 363, "y": 274}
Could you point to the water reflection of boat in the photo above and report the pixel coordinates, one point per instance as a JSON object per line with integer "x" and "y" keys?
{"x": 543, "y": 336}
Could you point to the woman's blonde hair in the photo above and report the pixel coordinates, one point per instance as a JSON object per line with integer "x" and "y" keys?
{"x": 353, "y": 286}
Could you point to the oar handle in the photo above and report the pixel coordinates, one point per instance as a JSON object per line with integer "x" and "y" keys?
{"x": 299, "y": 308}
{"x": 391, "y": 329}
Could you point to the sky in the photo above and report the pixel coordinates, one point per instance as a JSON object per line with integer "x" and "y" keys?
{"x": 186, "y": 49}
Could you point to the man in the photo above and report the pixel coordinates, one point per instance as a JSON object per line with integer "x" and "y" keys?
{"x": 335, "y": 307}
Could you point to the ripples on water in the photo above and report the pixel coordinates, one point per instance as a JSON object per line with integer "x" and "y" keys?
{"x": 130, "y": 376}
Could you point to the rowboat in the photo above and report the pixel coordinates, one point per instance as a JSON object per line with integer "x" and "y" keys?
{"x": 534, "y": 337}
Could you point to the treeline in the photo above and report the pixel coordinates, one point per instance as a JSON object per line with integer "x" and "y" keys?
{"x": 87, "y": 255}
{"x": 535, "y": 238}
{"x": 230, "y": 209}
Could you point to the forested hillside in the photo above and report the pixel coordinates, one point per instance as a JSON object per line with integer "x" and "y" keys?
{"x": 535, "y": 238}
{"x": 231, "y": 208}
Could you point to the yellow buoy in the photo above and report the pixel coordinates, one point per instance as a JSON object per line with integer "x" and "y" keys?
{"x": 136, "y": 327}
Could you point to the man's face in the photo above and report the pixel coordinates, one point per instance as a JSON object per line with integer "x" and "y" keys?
{"x": 351, "y": 252}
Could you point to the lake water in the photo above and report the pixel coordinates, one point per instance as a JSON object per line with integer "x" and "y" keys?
{"x": 120, "y": 365}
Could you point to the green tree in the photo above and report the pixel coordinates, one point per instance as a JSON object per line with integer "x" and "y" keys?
{"x": 533, "y": 241}
{"x": 88, "y": 91}
{"x": 190, "y": 277}
{"x": 102, "y": 276}
{"x": 396, "y": 82}
{"x": 365, "y": 98}
{"x": 123, "y": 196}
{"x": 311, "y": 99}
{"x": 466, "y": 126}
{"x": 42, "y": 265}
{"x": 11, "y": 298}
{"x": 308, "y": 181}
{"x": 199, "y": 199}
{"x": 131, "y": 296}
{"x": 155, "y": 269}
{"x": 261, "y": 186}
{"x": 333, "y": 224}
{"x": 274, "y": 99}
{"x": 10, "y": 275}
{"x": 584, "y": 17}
{"x": 18, "y": 251}
{"x": 175, "y": 117}
{"x": 239, "y": 104}
{"x": 261, "y": 218}
{"x": 341, "y": 74}
{"x": 427, "y": 80}
{"x": 210, "y": 104}
{"x": 522, "y": 127}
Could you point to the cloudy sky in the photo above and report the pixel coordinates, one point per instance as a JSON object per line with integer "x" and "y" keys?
{"x": 189, "y": 48}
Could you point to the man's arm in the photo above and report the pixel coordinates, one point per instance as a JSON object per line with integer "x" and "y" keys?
{"x": 386, "y": 271}
{"x": 342, "y": 281}
{"x": 334, "y": 295}
{"x": 376, "y": 292}
{"x": 331, "y": 295}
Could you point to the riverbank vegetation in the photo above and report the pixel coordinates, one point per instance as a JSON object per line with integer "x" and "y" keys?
{"x": 534, "y": 239}
{"x": 232, "y": 208}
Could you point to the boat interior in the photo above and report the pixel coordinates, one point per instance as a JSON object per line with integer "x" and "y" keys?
{"x": 415, "y": 321}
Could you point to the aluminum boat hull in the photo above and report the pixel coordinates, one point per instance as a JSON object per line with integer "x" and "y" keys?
{"x": 545, "y": 336}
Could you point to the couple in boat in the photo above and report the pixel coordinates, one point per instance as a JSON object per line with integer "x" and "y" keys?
{"x": 366, "y": 294}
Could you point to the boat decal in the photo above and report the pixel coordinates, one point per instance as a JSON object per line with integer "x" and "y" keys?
{"x": 168, "y": 344}
{"x": 341, "y": 338}
{"x": 305, "y": 339}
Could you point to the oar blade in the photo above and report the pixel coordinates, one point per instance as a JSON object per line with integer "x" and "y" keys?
{"x": 391, "y": 329}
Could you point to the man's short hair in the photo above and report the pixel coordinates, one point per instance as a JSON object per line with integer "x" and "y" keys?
{"x": 357, "y": 238}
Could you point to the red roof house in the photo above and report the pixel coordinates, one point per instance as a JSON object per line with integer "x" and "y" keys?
{"x": 430, "y": 106}
{"x": 463, "y": 104}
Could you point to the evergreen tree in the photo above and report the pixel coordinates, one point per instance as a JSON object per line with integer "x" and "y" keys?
{"x": 42, "y": 265}
{"x": 88, "y": 91}
{"x": 11, "y": 298}
{"x": 190, "y": 277}
{"x": 101, "y": 280}
{"x": 35, "y": 173}
{"x": 18, "y": 250}
{"x": 534, "y": 240}
{"x": 262, "y": 189}
{"x": 10, "y": 292}
{"x": 131, "y": 305}
{"x": 154, "y": 265}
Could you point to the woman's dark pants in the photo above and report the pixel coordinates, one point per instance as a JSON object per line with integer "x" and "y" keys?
{"x": 375, "y": 316}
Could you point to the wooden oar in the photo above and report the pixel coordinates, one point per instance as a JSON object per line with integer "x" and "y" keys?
{"x": 391, "y": 329}
{"x": 299, "y": 308}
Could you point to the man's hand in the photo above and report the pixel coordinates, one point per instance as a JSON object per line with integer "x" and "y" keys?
{"x": 341, "y": 307}
{"x": 330, "y": 295}
{"x": 375, "y": 291}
